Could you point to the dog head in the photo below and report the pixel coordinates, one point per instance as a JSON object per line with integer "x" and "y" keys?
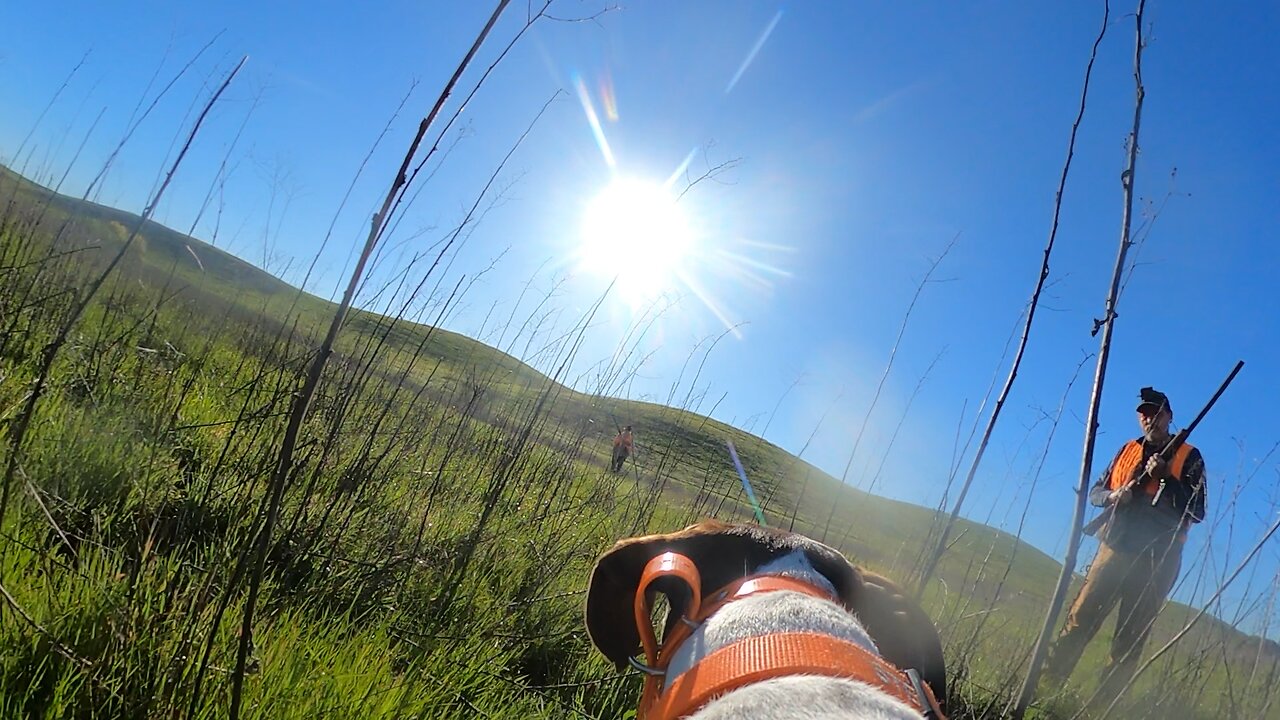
{"x": 722, "y": 553}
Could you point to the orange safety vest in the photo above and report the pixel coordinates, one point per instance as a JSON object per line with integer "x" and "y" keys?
{"x": 1126, "y": 464}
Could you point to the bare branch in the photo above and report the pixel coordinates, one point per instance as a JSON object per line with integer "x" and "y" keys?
{"x": 931, "y": 566}
{"x": 712, "y": 173}
{"x": 1095, "y": 399}
{"x": 594, "y": 18}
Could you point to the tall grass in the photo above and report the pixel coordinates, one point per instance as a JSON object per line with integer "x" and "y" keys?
{"x": 435, "y": 533}
{"x": 433, "y": 528}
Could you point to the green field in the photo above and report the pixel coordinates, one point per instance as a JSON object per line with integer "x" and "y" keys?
{"x": 437, "y": 527}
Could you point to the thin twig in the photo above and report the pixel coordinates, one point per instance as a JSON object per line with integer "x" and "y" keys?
{"x": 931, "y": 566}
{"x": 23, "y": 422}
{"x": 62, "y": 649}
{"x": 302, "y": 401}
{"x": 884, "y": 377}
{"x": 1095, "y": 398}
{"x": 710, "y": 174}
{"x": 1203, "y": 609}
{"x": 35, "y": 495}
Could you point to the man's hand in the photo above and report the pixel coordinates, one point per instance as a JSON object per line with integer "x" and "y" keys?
{"x": 1121, "y": 496}
{"x": 1157, "y": 467}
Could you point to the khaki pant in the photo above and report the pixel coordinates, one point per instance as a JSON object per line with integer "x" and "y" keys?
{"x": 1139, "y": 582}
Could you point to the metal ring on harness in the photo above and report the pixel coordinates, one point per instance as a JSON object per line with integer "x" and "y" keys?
{"x": 647, "y": 670}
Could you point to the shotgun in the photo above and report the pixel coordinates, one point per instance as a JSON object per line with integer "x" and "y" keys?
{"x": 1093, "y": 526}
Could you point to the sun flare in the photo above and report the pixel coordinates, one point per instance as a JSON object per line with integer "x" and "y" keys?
{"x": 634, "y": 231}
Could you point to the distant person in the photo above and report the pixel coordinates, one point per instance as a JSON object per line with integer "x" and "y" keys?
{"x": 624, "y": 446}
{"x": 1141, "y": 546}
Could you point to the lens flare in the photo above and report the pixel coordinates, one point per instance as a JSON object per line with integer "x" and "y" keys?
{"x": 633, "y": 230}
{"x": 608, "y": 99}
{"x": 755, "y": 50}
{"x": 593, "y": 119}
{"x": 635, "y": 233}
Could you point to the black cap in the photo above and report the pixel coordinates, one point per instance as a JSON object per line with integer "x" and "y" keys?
{"x": 1151, "y": 397}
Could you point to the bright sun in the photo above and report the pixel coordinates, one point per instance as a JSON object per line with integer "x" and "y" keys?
{"x": 634, "y": 231}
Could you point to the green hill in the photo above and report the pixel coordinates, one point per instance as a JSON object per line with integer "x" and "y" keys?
{"x": 445, "y": 491}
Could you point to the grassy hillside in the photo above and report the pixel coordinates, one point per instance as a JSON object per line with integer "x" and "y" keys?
{"x": 438, "y": 526}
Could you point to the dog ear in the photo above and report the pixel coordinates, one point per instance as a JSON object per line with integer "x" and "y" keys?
{"x": 610, "y": 595}
{"x": 722, "y": 554}
{"x": 903, "y": 632}
{"x": 615, "y": 579}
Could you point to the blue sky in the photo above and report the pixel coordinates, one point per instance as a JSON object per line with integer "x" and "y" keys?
{"x": 868, "y": 136}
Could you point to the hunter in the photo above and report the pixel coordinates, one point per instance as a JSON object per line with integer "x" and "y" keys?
{"x": 624, "y": 445}
{"x": 1152, "y": 503}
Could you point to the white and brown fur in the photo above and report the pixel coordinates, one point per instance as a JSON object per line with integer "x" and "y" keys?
{"x": 873, "y": 613}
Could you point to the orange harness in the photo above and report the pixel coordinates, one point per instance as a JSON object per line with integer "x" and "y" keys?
{"x": 753, "y": 659}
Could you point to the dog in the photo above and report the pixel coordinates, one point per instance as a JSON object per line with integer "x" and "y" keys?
{"x": 762, "y": 624}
